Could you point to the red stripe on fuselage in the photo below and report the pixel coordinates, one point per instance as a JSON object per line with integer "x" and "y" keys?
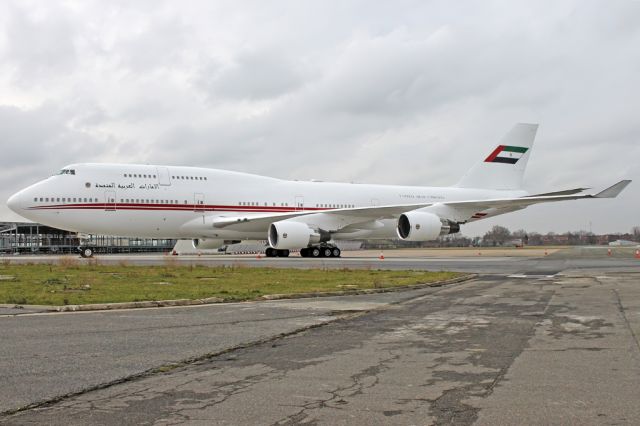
{"x": 176, "y": 207}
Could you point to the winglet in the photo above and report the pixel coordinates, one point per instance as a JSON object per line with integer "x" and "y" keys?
{"x": 613, "y": 191}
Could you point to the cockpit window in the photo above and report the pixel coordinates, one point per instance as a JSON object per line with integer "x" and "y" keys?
{"x": 67, "y": 172}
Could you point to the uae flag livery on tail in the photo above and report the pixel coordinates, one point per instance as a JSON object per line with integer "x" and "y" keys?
{"x": 506, "y": 154}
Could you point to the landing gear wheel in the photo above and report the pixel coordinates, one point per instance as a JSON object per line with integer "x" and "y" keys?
{"x": 335, "y": 252}
{"x": 315, "y": 252}
{"x": 304, "y": 252}
{"x": 283, "y": 253}
{"x": 86, "y": 252}
{"x": 269, "y": 252}
{"x": 326, "y": 252}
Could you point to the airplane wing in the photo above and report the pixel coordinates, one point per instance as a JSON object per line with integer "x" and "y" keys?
{"x": 564, "y": 192}
{"x": 459, "y": 211}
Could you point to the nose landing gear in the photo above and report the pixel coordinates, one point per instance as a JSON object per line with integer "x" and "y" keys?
{"x": 86, "y": 252}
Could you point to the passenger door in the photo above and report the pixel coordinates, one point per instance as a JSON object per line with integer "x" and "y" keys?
{"x": 198, "y": 202}
{"x": 164, "y": 178}
{"x": 110, "y": 201}
{"x": 299, "y": 203}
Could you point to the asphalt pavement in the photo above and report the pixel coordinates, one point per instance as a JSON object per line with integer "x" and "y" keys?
{"x": 541, "y": 344}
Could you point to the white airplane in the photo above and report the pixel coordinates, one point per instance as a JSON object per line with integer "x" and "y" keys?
{"x": 215, "y": 207}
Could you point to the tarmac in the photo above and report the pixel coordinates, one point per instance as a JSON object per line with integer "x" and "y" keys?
{"x": 531, "y": 340}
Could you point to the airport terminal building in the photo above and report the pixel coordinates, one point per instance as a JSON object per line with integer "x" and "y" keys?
{"x": 34, "y": 238}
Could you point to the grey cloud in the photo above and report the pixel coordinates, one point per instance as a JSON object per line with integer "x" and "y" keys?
{"x": 40, "y": 46}
{"x": 42, "y": 140}
{"x": 151, "y": 46}
{"x": 409, "y": 92}
{"x": 252, "y": 75}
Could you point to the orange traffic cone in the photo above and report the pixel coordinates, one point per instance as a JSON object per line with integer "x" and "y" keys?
{"x": 637, "y": 254}
{"x": 608, "y": 252}
{"x": 381, "y": 255}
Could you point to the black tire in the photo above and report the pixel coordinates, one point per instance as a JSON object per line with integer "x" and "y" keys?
{"x": 283, "y": 253}
{"x": 315, "y": 252}
{"x": 336, "y": 252}
{"x": 86, "y": 252}
{"x": 326, "y": 252}
{"x": 270, "y": 252}
{"x": 304, "y": 252}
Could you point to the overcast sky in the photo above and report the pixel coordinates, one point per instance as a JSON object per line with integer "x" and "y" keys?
{"x": 398, "y": 92}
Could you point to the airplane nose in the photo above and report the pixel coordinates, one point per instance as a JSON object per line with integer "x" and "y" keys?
{"x": 14, "y": 202}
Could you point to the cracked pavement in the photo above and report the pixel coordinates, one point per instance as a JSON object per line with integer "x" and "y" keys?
{"x": 495, "y": 350}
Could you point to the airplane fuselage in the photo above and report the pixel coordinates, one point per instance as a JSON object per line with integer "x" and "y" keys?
{"x": 176, "y": 202}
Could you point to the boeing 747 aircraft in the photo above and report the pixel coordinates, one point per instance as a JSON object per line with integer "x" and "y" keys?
{"x": 216, "y": 208}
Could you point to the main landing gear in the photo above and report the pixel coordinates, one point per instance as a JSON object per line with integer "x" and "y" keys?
{"x": 321, "y": 251}
{"x": 271, "y": 252}
{"x": 316, "y": 251}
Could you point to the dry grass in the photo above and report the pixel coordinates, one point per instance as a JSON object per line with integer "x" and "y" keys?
{"x": 75, "y": 283}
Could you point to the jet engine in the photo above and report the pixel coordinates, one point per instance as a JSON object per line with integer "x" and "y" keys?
{"x": 209, "y": 244}
{"x": 287, "y": 235}
{"x": 423, "y": 226}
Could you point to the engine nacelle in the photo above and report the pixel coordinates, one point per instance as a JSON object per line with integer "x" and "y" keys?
{"x": 288, "y": 235}
{"x": 210, "y": 244}
{"x": 423, "y": 226}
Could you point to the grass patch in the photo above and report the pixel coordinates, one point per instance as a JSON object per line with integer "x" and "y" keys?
{"x": 71, "y": 283}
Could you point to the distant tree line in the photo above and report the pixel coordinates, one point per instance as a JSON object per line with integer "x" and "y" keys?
{"x": 501, "y": 236}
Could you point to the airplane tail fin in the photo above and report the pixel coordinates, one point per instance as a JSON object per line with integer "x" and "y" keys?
{"x": 504, "y": 167}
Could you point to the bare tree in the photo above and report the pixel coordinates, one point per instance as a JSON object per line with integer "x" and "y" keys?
{"x": 497, "y": 235}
